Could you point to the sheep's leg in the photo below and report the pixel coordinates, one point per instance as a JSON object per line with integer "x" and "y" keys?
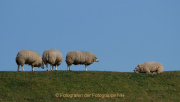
{"x": 68, "y": 67}
{"x": 154, "y": 73}
{"x": 56, "y": 66}
{"x": 32, "y": 68}
{"x": 51, "y": 67}
{"x": 47, "y": 67}
{"x": 22, "y": 67}
{"x": 86, "y": 67}
{"x": 18, "y": 68}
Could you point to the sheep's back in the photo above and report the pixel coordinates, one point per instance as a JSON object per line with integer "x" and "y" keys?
{"x": 58, "y": 56}
{"x": 151, "y": 65}
{"x": 79, "y": 57}
{"x": 28, "y": 57}
{"x": 52, "y": 56}
{"x": 70, "y": 57}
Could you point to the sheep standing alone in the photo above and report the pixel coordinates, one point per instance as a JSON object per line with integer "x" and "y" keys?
{"x": 53, "y": 57}
{"x": 80, "y": 57}
{"x": 29, "y": 57}
{"x": 148, "y": 67}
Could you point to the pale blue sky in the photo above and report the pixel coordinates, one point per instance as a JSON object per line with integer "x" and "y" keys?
{"x": 121, "y": 33}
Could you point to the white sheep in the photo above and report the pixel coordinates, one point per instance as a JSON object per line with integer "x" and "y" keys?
{"x": 149, "y": 67}
{"x": 80, "y": 57}
{"x": 29, "y": 57}
{"x": 53, "y": 57}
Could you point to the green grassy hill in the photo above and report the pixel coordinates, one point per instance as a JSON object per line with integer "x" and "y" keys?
{"x": 89, "y": 86}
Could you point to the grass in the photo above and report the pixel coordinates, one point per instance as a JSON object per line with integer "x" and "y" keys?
{"x": 49, "y": 86}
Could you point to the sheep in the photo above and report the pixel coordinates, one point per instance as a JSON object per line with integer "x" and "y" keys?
{"x": 80, "y": 57}
{"x": 148, "y": 67}
{"x": 29, "y": 57}
{"x": 53, "y": 57}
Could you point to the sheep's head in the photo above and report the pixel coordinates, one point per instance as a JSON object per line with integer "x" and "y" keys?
{"x": 42, "y": 65}
{"x": 136, "y": 70}
{"x": 96, "y": 60}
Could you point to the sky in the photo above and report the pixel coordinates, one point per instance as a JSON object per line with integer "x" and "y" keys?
{"x": 121, "y": 33}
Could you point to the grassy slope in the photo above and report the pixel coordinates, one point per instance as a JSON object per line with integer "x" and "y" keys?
{"x": 42, "y": 86}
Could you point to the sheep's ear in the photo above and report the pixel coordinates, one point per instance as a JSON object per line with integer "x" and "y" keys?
{"x": 158, "y": 67}
{"x": 138, "y": 65}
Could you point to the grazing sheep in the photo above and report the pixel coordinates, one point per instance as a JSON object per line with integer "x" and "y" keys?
{"x": 53, "y": 57}
{"x": 80, "y": 57}
{"x": 148, "y": 67}
{"x": 29, "y": 57}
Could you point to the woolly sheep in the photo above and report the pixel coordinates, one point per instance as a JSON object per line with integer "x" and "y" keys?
{"x": 80, "y": 57}
{"x": 53, "y": 57}
{"x": 148, "y": 67}
{"x": 29, "y": 57}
